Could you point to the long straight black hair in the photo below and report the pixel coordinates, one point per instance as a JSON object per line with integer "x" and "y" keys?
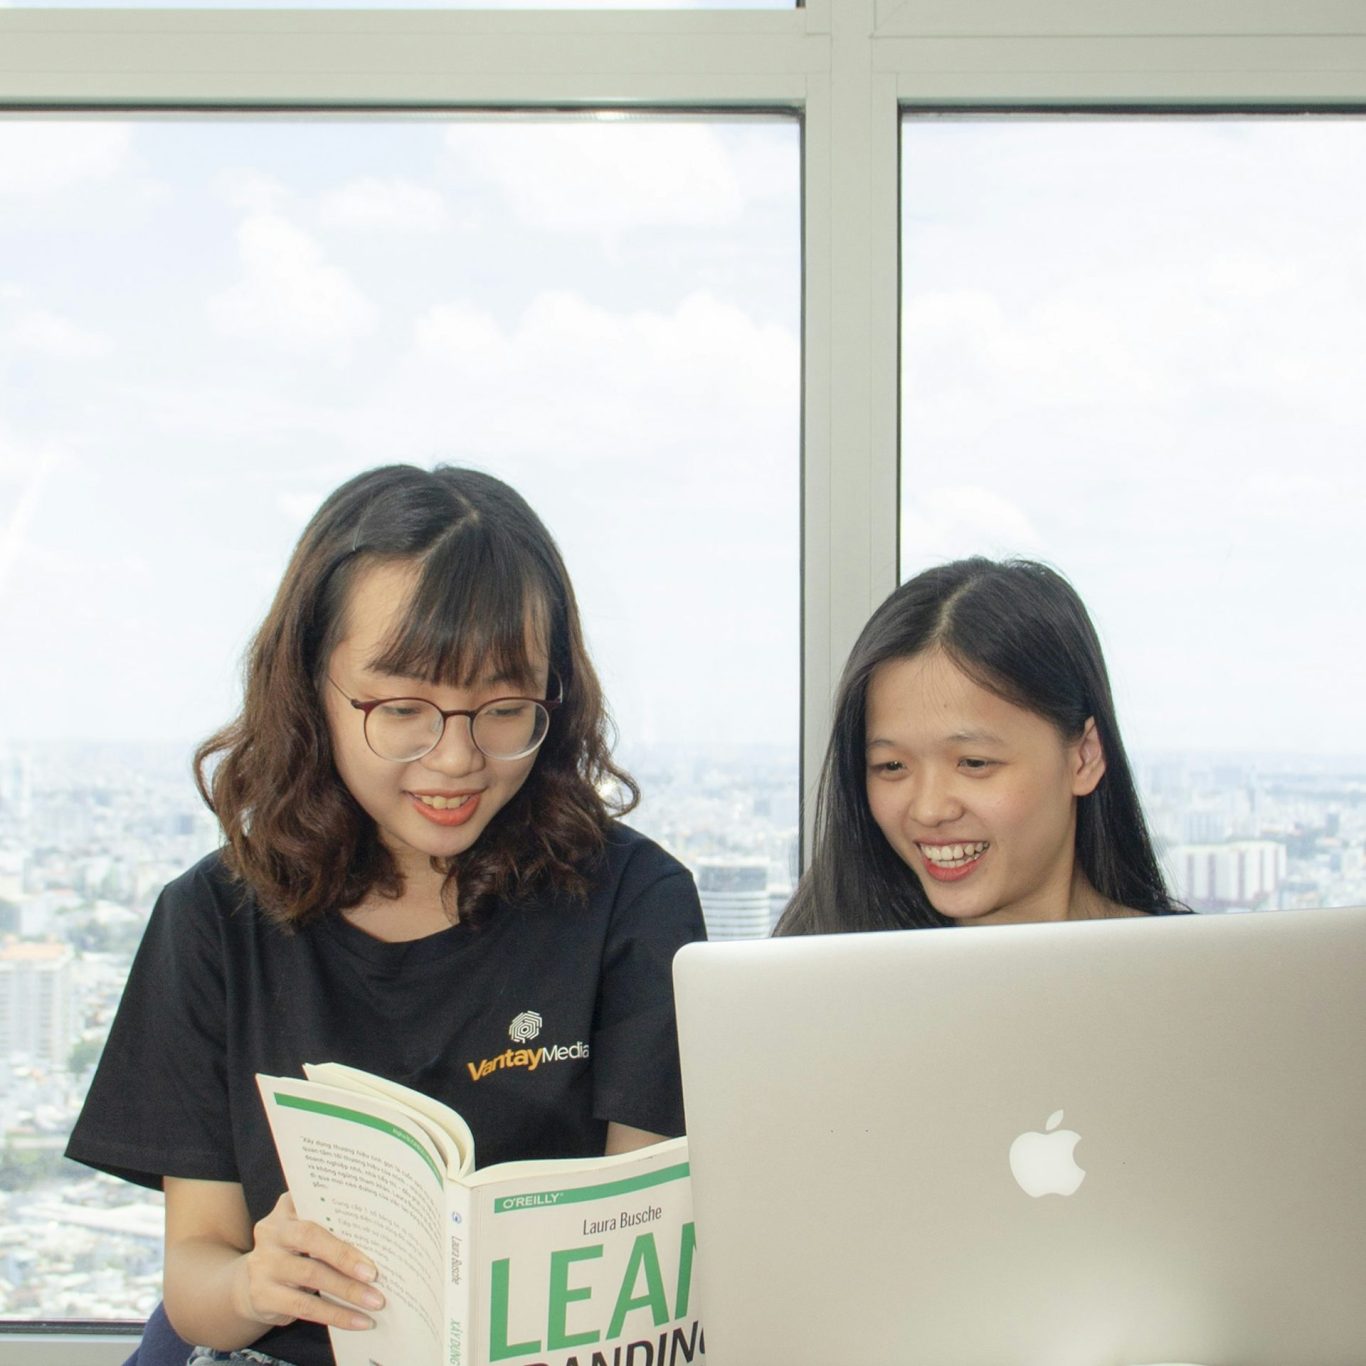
{"x": 1018, "y": 629}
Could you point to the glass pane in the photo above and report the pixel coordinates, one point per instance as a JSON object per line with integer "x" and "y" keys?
{"x": 207, "y": 325}
{"x": 1133, "y": 347}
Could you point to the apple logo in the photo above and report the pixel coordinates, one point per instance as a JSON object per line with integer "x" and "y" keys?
{"x": 1043, "y": 1163}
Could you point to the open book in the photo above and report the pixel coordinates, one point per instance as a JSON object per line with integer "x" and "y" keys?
{"x": 577, "y": 1262}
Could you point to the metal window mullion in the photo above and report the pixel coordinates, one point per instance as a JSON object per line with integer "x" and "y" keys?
{"x": 850, "y": 163}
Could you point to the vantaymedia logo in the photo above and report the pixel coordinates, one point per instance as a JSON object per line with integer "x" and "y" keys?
{"x": 523, "y": 1029}
{"x": 530, "y": 1058}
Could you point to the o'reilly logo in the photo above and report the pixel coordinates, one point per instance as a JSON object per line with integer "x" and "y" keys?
{"x": 530, "y": 1058}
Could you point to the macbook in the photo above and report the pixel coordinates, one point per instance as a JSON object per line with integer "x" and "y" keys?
{"x": 1082, "y": 1144}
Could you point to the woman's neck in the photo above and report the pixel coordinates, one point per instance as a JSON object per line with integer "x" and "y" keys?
{"x": 1085, "y": 903}
{"x": 427, "y": 905}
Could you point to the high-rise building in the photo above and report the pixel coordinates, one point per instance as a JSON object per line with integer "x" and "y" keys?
{"x": 1238, "y": 873}
{"x": 735, "y": 902}
{"x": 37, "y": 1006}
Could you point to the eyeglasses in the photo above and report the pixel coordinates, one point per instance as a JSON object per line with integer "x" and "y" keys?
{"x": 405, "y": 728}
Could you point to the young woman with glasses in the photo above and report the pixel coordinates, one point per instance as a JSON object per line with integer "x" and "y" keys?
{"x": 975, "y": 773}
{"x": 418, "y": 853}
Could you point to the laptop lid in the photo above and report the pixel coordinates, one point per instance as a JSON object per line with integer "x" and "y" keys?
{"x": 1078, "y": 1144}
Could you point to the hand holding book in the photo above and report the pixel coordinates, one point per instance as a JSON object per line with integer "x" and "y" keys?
{"x": 294, "y": 1262}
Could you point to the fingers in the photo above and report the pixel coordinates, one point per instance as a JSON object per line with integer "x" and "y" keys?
{"x": 295, "y": 1264}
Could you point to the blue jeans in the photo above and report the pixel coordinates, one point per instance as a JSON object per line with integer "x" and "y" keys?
{"x": 160, "y": 1346}
{"x": 242, "y": 1356}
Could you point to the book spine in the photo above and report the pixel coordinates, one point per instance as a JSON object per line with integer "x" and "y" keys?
{"x": 461, "y": 1341}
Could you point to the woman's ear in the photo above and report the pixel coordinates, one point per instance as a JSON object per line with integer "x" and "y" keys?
{"x": 1088, "y": 760}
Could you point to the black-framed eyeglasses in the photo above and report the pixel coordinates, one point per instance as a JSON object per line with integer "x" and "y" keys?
{"x": 405, "y": 728}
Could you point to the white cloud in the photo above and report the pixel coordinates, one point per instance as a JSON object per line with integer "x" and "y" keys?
{"x": 963, "y": 519}
{"x": 595, "y": 386}
{"x": 392, "y": 205}
{"x": 1062, "y": 350}
{"x": 30, "y": 468}
{"x": 251, "y": 191}
{"x": 50, "y": 334}
{"x": 40, "y": 156}
{"x": 607, "y": 177}
{"x": 289, "y": 296}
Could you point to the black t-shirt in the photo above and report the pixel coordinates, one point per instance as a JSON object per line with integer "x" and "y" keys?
{"x": 218, "y": 993}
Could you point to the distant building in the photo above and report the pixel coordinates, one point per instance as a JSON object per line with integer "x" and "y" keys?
{"x": 16, "y": 787}
{"x": 735, "y": 902}
{"x": 1203, "y": 825}
{"x": 778, "y": 897}
{"x": 1215, "y": 877}
{"x": 37, "y": 1006}
{"x": 11, "y": 874}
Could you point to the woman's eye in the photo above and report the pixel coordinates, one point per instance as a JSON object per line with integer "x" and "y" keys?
{"x": 889, "y": 766}
{"x": 975, "y": 765}
{"x": 400, "y": 711}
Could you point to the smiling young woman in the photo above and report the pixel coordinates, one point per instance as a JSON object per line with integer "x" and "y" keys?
{"x": 417, "y": 851}
{"x": 975, "y": 772}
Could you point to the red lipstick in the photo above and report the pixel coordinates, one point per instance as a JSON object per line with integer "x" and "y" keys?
{"x": 452, "y": 815}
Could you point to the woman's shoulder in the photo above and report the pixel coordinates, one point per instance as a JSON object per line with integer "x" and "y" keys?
{"x": 641, "y": 884}
{"x": 627, "y": 851}
{"x": 208, "y": 890}
{"x": 210, "y": 874}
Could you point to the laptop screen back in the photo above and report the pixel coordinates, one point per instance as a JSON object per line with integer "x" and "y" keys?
{"x": 1113, "y": 1142}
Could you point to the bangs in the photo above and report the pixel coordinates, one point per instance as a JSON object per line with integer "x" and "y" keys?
{"x": 480, "y": 612}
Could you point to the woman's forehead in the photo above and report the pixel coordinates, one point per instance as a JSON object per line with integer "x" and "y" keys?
{"x": 378, "y": 600}
{"x": 378, "y": 630}
{"x": 928, "y": 696}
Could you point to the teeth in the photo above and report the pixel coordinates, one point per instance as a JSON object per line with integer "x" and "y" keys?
{"x": 442, "y": 803}
{"x": 953, "y": 855}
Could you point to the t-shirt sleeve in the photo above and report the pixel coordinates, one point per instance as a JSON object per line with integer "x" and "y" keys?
{"x": 635, "y": 1043}
{"x": 158, "y": 1103}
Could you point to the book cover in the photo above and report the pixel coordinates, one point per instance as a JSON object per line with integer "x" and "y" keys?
{"x": 575, "y": 1262}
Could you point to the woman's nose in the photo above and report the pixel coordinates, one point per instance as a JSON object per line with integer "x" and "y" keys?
{"x": 931, "y": 800}
{"x": 455, "y": 752}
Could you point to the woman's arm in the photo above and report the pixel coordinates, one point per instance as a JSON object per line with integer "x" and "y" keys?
{"x": 622, "y": 1138}
{"x": 227, "y": 1283}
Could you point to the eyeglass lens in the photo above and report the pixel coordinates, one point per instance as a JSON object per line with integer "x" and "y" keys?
{"x": 408, "y": 728}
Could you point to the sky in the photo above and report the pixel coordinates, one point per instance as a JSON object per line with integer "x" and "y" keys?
{"x": 1135, "y": 348}
{"x": 206, "y": 325}
{"x": 1131, "y": 347}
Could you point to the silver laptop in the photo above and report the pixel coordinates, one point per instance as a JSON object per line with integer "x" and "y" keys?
{"x": 1093, "y": 1144}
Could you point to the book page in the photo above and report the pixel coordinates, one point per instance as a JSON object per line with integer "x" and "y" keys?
{"x": 446, "y": 1128}
{"x": 370, "y": 1174}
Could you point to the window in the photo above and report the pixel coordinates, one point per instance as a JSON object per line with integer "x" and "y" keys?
{"x": 214, "y": 323}
{"x": 1138, "y": 366}
{"x": 847, "y": 68}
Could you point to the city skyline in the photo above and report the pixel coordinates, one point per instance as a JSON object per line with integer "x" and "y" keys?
{"x": 89, "y": 835}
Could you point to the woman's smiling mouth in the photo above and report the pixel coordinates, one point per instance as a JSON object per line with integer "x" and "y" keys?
{"x": 949, "y": 862}
{"x": 446, "y": 808}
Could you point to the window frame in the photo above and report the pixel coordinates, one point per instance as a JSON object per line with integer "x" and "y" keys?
{"x": 847, "y": 68}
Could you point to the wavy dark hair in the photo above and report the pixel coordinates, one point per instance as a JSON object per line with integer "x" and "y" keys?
{"x": 1018, "y": 629}
{"x": 486, "y": 566}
